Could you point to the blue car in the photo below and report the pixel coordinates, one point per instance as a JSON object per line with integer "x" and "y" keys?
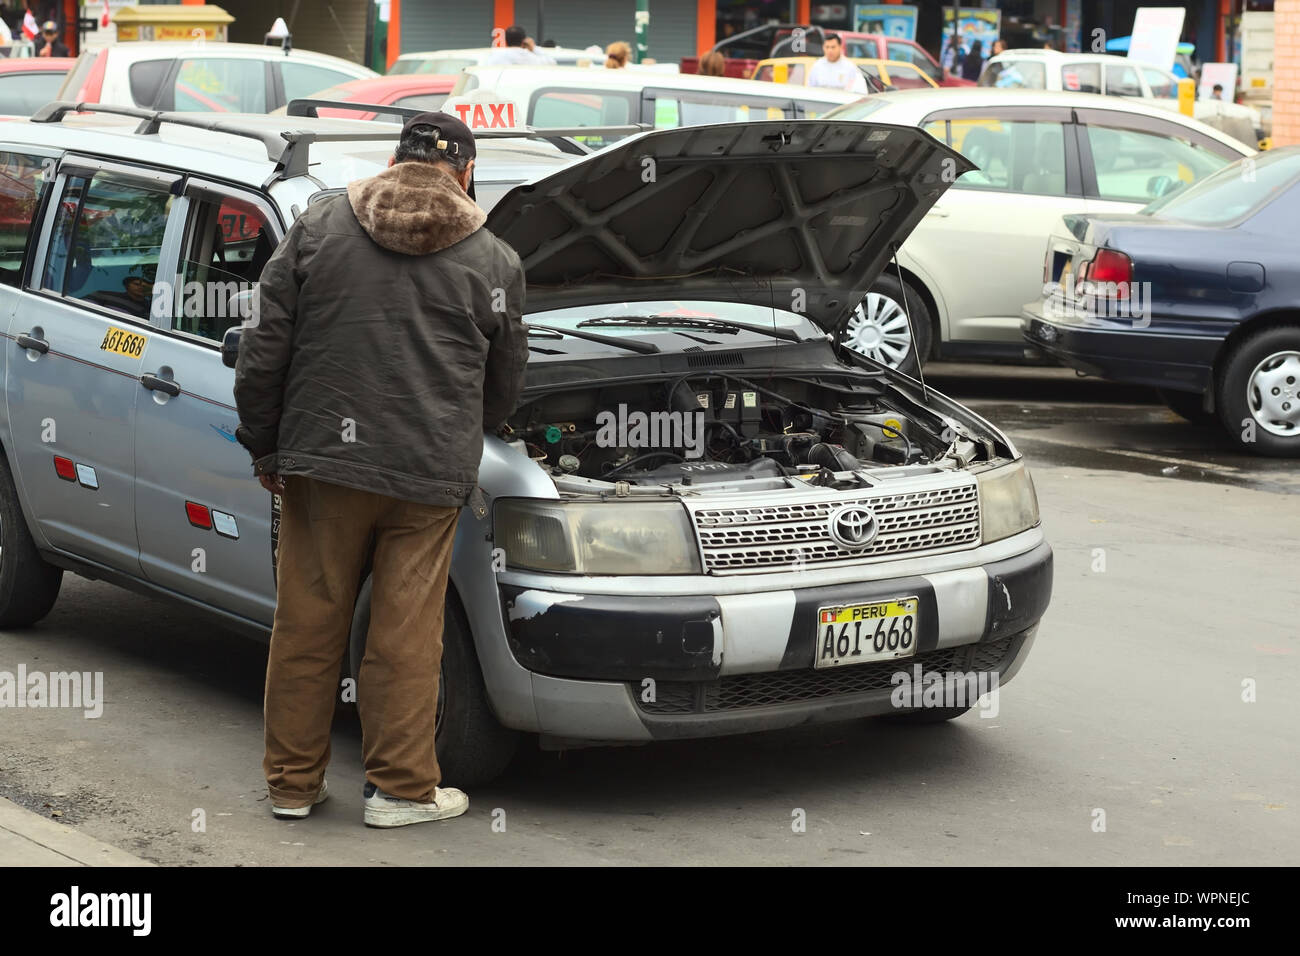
{"x": 1197, "y": 294}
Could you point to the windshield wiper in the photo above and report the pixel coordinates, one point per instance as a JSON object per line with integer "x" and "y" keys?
{"x": 632, "y": 345}
{"x": 669, "y": 322}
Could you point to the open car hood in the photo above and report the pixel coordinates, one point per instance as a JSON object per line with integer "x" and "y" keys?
{"x": 801, "y": 215}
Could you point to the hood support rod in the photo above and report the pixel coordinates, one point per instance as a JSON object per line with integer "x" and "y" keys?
{"x": 907, "y": 313}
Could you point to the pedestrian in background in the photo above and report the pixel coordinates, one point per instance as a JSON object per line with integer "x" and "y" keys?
{"x": 389, "y": 336}
{"x": 617, "y": 54}
{"x": 518, "y": 51}
{"x": 713, "y": 63}
{"x": 48, "y": 43}
{"x": 973, "y": 62}
{"x": 834, "y": 69}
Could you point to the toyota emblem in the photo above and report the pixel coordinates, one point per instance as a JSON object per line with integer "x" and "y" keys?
{"x": 853, "y": 527}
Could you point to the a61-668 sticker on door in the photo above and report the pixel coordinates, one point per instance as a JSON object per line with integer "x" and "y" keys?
{"x": 130, "y": 344}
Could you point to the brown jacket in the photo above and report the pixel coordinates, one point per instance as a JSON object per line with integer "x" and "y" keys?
{"x": 388, "y": 337}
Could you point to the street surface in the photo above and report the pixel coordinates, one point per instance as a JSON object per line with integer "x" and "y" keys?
{"x": 1125, "y": 739}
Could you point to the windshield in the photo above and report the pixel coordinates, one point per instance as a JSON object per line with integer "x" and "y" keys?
{"x": 688, "y": 311}
{"x": 1233, "y": 192}
{"x": 1015, "y": 74}
{"x": 858, "y": 110}
{"x": 434, "y": 64}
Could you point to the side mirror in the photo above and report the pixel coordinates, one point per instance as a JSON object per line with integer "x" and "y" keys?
{"x": 230, "y": 346}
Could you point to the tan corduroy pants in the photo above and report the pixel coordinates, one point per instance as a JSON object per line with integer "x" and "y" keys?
{"x": 325, "y": 535}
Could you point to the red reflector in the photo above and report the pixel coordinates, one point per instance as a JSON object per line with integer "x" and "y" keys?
{"x": 198, "y": 514}
{"x": 64, "y": 468}
{"x": 1111, "y": 266}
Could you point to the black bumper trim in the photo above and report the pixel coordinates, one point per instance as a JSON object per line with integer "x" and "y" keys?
{"x": 1134, "y": 357}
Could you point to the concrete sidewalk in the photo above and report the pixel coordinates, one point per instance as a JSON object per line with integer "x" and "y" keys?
{"x": 28, "y": 839}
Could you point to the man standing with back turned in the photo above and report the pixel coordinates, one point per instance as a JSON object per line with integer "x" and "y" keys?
{"x": 388, "y": 337}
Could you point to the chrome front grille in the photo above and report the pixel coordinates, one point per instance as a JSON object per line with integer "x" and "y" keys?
{"x": 766, "y": 537}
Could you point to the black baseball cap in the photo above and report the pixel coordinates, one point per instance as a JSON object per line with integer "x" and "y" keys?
{"x": 452, "y": 137}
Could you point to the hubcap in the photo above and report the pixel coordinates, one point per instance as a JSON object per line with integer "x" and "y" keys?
{"x": 1273, "y": 394}
{"x": 878, "y": 329}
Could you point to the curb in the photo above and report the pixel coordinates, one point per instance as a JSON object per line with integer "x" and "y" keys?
{"x": 28, "y": 839}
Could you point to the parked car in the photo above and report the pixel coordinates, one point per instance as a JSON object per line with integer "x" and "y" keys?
{"x": 1197, "y": 295}
{"x": 1113, "y": 75}
{"x": 426, "y": 91}
{"x": 743, "y": 51}
{"x": 218, "y": 77}
{"x": 562, "y": 97}
{"x": 880, "y": 74}
{"x": 601, "y": 592}
{"x": 450, "y": 62}
{"x": 28, "y": 83}
{"x": 974, "y": 260}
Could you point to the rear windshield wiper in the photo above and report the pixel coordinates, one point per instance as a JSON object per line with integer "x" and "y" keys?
{"x": 632, "y": 345}
{"x": 669, "y": 322}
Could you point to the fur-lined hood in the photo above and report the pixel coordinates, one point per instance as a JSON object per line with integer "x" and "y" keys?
{"x": 414, "y": 208}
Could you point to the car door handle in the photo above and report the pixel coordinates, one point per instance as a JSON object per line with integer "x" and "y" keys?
{"x": 35, "y": 344}
{"x": 156, "y": 384}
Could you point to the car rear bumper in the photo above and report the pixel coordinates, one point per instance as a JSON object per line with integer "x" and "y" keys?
{"x": 1135, "y": 356}
{"x": 636, "y": 668}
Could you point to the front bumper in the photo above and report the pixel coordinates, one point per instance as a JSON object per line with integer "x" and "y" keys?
{"x": 632, "y": 667}
{"x": 1135, "y": 356}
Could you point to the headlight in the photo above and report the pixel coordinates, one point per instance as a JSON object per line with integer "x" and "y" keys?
{"x": 1008, "y": 504}
{"x": 573, "y": 537}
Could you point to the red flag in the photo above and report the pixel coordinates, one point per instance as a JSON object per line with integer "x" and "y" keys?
{"x": 103, "y": 17}
{"x": 30, "y": 29}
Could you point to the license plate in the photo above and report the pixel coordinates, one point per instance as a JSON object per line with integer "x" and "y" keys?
{"x": 858, "y": 633}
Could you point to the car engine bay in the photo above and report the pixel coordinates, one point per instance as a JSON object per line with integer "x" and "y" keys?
{"x": 716, "y": 429}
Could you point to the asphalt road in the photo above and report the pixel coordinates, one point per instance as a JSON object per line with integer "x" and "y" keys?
{"x": 1131, "y": 704}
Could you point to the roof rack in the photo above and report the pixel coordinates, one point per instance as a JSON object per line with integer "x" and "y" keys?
{"x": 558, "y": 136}
{"x": 290, "y": 149}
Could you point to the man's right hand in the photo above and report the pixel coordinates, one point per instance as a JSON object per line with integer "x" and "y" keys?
{"x": 272, "y": 483}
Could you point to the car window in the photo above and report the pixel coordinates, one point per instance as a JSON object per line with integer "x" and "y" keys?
{"x": 443, "y": 64}
{"x": 1122, "y": 80}
{"x": 227, "y": 242}
{"x": 422, "y": 101}
{"x": 1162, "y": 84}
{"x": 1015, "y": 74}
{"x": 1228, "y": 195}
{"x": 1136, "y": 166}
{"x": 146, "y": 80}
{"x": 214, "y": 85}
{"x": 814, "y": 109}
{"x": 22, "y": 177}
{"x": 305, "y": 79}
{"x": 861, "y": 49}
{"x": 907, "y": 78}
{"x": 1018, "y": 156}
{"x": 690, "y": 108}
{"x": 107, "y": 239}
{"x": 907, "y": 53}
{"x": 22, "y": 94}
{"x": 1081, "y": 77}
{"x": 567, "y": 108}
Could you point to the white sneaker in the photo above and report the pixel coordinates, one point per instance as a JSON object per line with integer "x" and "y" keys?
{"x": 385, "y": 811}
{"x": 297, "y": 813}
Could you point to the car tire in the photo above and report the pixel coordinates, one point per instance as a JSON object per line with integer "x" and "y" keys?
{"x": 29, "y": 585}
{"x": 928, "y": 715}
{"x": 473, "y": 748}
{"x": 1259, "y": 392}
{"x": 878, "y": 327}
{"x": 1189, "y": 406}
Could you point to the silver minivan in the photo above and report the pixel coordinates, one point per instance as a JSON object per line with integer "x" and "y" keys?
{"x": 703, "y": 518}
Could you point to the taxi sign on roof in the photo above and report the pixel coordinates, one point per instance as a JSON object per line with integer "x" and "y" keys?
{"x": 483, "y": 109}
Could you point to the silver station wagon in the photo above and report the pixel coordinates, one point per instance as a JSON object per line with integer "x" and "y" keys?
{"x": 703, "y": 518}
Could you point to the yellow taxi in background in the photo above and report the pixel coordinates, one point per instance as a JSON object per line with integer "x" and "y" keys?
{"x": 794, "y": 69}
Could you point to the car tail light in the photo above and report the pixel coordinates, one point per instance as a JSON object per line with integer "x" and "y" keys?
{"x": 1111, "y": 266}
{"x": 64, "y": 468}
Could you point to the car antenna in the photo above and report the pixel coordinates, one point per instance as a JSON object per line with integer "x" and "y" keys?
{"x": 907, "y": 313}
